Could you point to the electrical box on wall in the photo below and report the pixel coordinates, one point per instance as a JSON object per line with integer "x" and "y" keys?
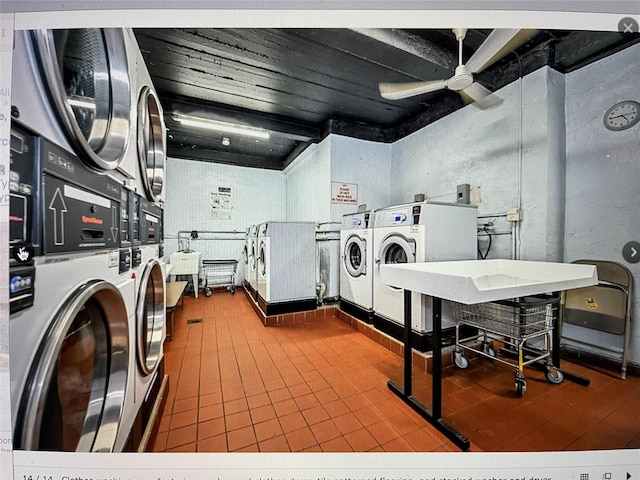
{"x": 475, "y": 196}
{"x": 463, "y": 192}
{"x": 514, "y": 215}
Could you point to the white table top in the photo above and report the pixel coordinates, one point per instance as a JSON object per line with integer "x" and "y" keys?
{"x": 477, "y": 281}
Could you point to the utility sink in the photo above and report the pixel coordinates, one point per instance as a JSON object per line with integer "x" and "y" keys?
{"x": 477, "y": 281}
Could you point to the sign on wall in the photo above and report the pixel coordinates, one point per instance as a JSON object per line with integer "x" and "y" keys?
{"x": 221, "y": 204}
{"x": 344, "y": 193}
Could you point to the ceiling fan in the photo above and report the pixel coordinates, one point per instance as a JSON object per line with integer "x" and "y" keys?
{"x": 497, "y": 44}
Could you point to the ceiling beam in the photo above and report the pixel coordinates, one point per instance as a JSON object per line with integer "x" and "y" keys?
{"x": 411, "y": 44}
{"x": 217, "y": 156}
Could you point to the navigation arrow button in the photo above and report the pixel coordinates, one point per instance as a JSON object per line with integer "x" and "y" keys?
{"x": 631, "y": 252}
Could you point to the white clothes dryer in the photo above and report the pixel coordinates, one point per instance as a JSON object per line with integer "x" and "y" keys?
{"x": 418, "y": 232}
{"x": 356, "y": 266}
{"x": 150, "y": 319}
{"x": 286, "y": 267}
{"x": 73, "y": 88}
{"x": 70, "y": 355}
{"x": 148, "y": 146}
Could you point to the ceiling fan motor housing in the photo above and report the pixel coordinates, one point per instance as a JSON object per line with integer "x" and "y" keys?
{"x": 461, "y": 80}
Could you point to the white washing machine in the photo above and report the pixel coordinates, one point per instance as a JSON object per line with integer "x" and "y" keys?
{"x": 286, "y": 267}
{"x": 70, "y": 354}
{"x": 356, "y": 266}
{"x": 418, "y": 232}
{"x": 252, "y": 271}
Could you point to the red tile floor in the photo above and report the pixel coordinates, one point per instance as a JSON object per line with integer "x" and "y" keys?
{"x": 236, "y": 385}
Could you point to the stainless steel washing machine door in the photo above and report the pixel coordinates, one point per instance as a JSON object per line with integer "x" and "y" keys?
{"x": 262, "y": 260}
{"x": 396, "y": 248}
{"x": 152, "y": 143}
{"x": 355, "y": 251}
{"x": 150, "y": 315}
{"x": 76, "y": 385}
{"x": 87, "y": 75}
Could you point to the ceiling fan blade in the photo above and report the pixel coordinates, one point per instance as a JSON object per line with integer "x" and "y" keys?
{"x": 397, "y": 91}
{"x": 481, "y": 96}
{"x": 499, "y": 42}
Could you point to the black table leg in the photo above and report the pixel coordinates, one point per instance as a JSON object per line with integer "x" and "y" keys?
{"x": 434, "y": 416}
{"x": 555, "y": 353}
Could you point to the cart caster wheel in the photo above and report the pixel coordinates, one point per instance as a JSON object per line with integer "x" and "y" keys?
{"x": 521, "y": 386}
{"x": 488, "y": 350}
{"x": 553, "y": 375}
{"x": 460, "y": 360}
{"x": 233, "y": 290}
{"x": 208, "y": 292}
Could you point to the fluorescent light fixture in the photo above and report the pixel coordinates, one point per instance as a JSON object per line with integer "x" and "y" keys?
{"x": 223, "y": 127}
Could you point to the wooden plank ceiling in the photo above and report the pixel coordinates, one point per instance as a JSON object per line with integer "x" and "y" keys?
{"x": 302, "y": 84}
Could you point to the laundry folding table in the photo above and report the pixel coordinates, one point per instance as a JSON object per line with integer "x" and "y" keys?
{"x": 470, "y": 282}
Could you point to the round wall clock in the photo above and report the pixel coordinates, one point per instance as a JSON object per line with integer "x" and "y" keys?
{"x": 622, "y": 115}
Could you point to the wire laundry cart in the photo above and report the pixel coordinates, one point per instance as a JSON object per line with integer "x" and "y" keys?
{"x": 219, "y": 273}
{"x": 524, "y": 326}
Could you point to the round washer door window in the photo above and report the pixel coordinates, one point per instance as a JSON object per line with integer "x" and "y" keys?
{"x": 150, "y": 314}
{"x": 262, "y": 260}
{"x": 355, "y": 256}
{"x": 397, "y": 249}
{"x": 76, "y": 386}
{"x": 152, "y": 143}
{"x": 87, "y": 75}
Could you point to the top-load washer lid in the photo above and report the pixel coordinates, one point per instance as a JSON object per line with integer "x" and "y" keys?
{"x": 152, "y": 143}
{"x": 87, "y": 75}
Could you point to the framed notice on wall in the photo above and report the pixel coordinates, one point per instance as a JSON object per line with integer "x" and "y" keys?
{"x": 344, "y": 193}
{"x": 221, "y": 204}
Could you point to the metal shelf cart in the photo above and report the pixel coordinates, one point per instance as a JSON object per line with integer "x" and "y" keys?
{"x": 219, "y": 273}
{"x": 525, "y": 326}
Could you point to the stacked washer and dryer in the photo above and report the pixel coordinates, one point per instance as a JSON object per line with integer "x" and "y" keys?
{"x": 77, "y": 232}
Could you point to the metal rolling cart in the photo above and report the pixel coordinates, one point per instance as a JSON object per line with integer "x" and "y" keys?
{"x": 219, "y": 273}
{"x": 214, "y": 272}
{"x": 524, "y": 325}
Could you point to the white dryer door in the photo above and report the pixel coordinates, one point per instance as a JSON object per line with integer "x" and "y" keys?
{"x": 75, "y": 388}
{"x": 87, "y": 75}
{"x": 355, "y": 251}
{"x": 152, "y": 143}
{"x": 150, "y": 315}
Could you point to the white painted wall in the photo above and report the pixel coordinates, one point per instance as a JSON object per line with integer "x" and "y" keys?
{"x": 603, "y": 173}
{"x": 482, "y": 148}
{"x": 309, "y": 185}
{"x": 257, "y": 195}
{"x": 365, "y": 164}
